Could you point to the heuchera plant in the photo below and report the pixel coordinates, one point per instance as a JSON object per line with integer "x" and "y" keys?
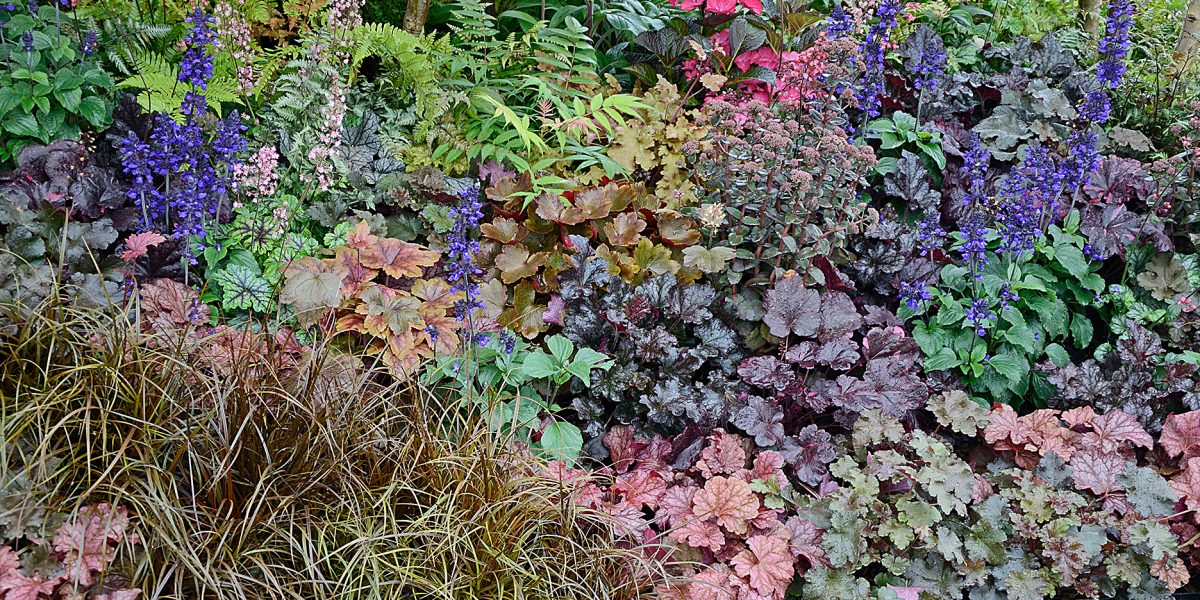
{"x": 910, "y": 513}
{"x": 783, "y": 186}
{"x": 674, "y": 354}
{"x": 76, "y": 562}
{"x": 716, "y": 514}
{"x": 531, "y": 245}
{"x": 373, "y": 286}
{"x": 831, "y": 362}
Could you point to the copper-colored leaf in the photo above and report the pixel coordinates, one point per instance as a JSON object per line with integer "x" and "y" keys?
{"x": 677, "y": 230}
{"x": 554, "y": 208}
{"x": 624, "y": 229}
{"x": 503, "y": 230}
{"x": 515, "y": 263}
{"x": 596, "y": 202}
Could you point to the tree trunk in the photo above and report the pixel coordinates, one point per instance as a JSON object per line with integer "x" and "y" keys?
{"x": 1189, "y": 37}
{"x": 415, "y": 15}
{"x": 1089, "y": 11}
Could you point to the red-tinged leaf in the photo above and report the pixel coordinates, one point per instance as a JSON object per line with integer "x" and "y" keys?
{"x": 131, "y": 594}
{"x": 642, "y": 488}
{"x": 806, "y": 541}
{"x": 398, "y": 258}
{"x": 360, "y": 238}
{"x": 768, "y": 464}
{"x": 1005, "y": 425}
{"x": 355, "y": 276}
{"x": 728, "y": 500}
{"x": 723, "y": 455}
{"x": 138, "y": 244}
{"x": 1187, "y": 483}
{"x": 623, "y": 446}
{"x": 1112, "y": 430}
{"x": 1079, "y": 416}
{"x": 552, "y": 208}
{"x": 1181, "y": 434}
{"x": 437, "y": 294}
{"x": 626, "y": 519}
{"x": 1098, "y": 471}
{"x": 767, "y": 563}
{"x": 699, "y": 533}
{"x": 19, "y": 587}
{"x": 676, "y": 504}
{"x": 8, "y": 561}
{"x": 716, "y": 582}
{"x": 85, "y": 541}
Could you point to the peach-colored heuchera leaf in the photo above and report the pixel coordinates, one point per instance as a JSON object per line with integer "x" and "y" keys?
{"x": 138, "y": 244}
{"x": 1181, "y": 434}
{"x": 84, "y": 541}
{"x": 767, "y": 562}
{"x": 724, "y": 454}
{"x": 699, "y": 533}
{"x": 1098, "y": 471}
{"x": 8, "y": 560}
{"x": 1005, "y": 424}
{"x": 1187, "y": 483}
{"x": 728, "y": 500}
{"x": 1113, "y": 429}
{"x": 16, "y": 586}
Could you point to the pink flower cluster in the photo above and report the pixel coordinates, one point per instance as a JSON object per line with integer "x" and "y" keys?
{"x": 257, "y": 177}
{"x": 86, "y": 546}
{"x": 708, "y": 516}
{"x": 235, "y": 33}
{"x": 329, "y": 139}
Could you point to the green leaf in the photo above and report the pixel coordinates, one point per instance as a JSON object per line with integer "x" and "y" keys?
{"x": 23, "y": 125}
{"x": 562, "y": 440}
{"x": 1058, "y": 354}
{"x": 930, "y": 339}
{"x": 1052, "y": 313}
{"x": 560, "y": 347}
{"x": 944, "y": 359}
{"x": 1081, "y": 330}
{"x": 539, "y": 365}
{"x": 1019, "y": 333}
{"x": 1011, "y": 365}
{"x": 586, "y": 360}
{"x": 69, "y": 99}
{"x": 9, "y": 99}
{"x": 1072, "y": 259}
{"x": 96, "y": 111}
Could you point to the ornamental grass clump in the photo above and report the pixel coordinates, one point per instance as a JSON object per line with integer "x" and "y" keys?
{"x": 252, "y": 467}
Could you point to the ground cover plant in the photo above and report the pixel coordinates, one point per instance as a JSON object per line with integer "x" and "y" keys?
{"x": 673, "y": 299}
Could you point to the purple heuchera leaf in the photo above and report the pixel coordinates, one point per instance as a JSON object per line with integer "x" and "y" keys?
{"x": 890, "y": 341}
{"x": 767, "y": 372}
{"x": 556, "y": 309}
{"x": 803, "y": 355}
{"x": 809, "y": 453}
{"x": 1117, "y": 180}
{"x": 1109, "y": 228}
{"x": 850, "y": 393}
{"x": 840, "y": 354}
{"x": 792, "y": 308}
{"x": 838, "y": 316}
{"x": 763, "y": 419}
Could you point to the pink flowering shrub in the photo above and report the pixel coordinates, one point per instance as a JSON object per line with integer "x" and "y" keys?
{"x": 74, "y": 563}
